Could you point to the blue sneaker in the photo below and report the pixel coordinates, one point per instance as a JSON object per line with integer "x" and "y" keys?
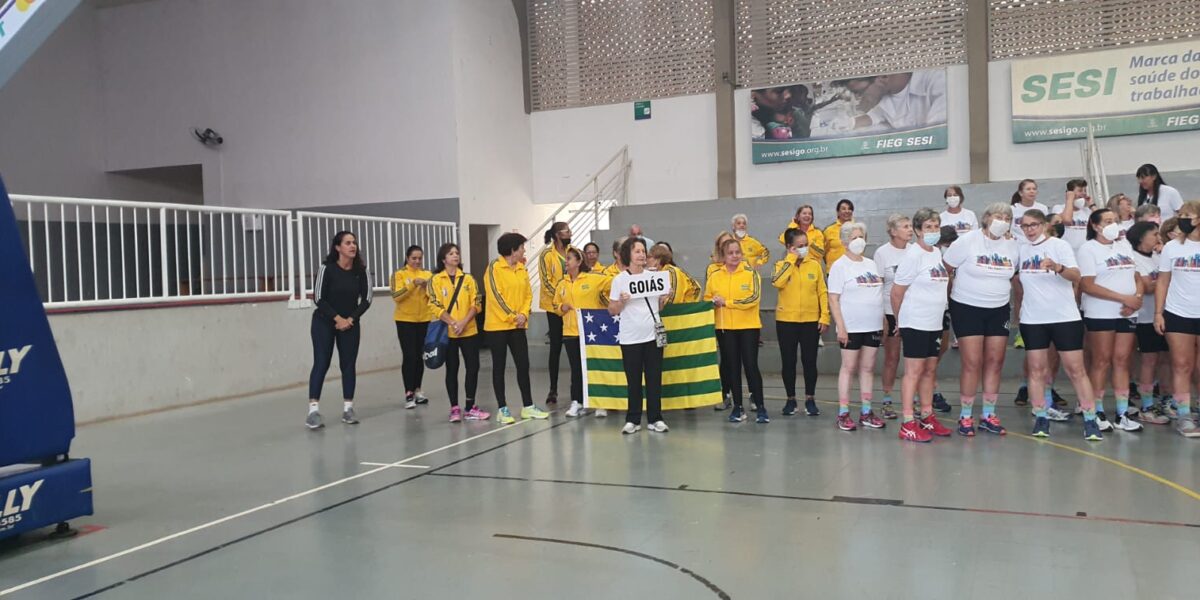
{"x": 738, "y": 415}
{"x": 762, "y": 417}
{"x": 1041, "y": 427}
{"x": 939, "y": 403}
{"x": 790, "y": 407}
{"x": 810, "y": 407}
{"x": 991, "y": 424}
{"x": 1091, "y": 431}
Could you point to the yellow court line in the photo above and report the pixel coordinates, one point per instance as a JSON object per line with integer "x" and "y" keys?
{"x": 1193, "y": 494}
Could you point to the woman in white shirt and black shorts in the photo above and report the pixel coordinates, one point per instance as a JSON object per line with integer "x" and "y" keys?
{"x": 887, "y": 258}
{"x": 1177, "y": 310}
{"x": 856, "y": 302}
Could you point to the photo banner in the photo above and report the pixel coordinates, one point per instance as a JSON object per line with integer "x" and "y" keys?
{"x": 876, "y": 114}
{"x": 1129, "y": 91}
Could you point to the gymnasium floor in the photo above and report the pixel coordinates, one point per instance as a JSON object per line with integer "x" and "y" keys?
{"x": 237, "y": 500}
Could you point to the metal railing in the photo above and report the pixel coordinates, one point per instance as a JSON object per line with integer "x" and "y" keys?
{"x": 382, "y": 242}
{"x": 586, "y": 210}
{"x": 96, "y": 253}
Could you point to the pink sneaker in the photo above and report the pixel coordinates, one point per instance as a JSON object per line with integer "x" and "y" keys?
{"x": 477, "y": 415}
{"x": 455, "y": 414}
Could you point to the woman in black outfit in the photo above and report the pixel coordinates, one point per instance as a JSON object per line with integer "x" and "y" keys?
{"x": 342, "y": 295}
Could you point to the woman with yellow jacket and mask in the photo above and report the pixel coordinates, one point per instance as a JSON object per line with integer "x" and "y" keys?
{"x": 801, "y": 317}
{"x": 578, "y": 289}
{"x": 454, "y": 299}
{"x": 754, "y": 251}
{"x": 409, "y": 292}
{"x": 736, "y": 291}
{"x": 552, "y": 266}
{"x": 508, "y": 301}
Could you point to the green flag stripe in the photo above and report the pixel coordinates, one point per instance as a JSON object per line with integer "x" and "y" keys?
{"x": 668, "y": 391}
{"x": 691, "y": 308}
{"x": 691, "y": 334}
{"x": 675, "y": 363}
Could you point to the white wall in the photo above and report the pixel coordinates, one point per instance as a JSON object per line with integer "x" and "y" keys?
{"x": 674, "y": 153}
{"x": 950, "y": 165}
{"x": 1174, "y": 151}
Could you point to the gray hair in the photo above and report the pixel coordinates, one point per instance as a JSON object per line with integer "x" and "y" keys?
{"x": 1146, "y": 210}
{"x": 848, "y": 230}
{"x": 922, "y": 216}
{"x": 739, "y": 216}
{"x": 994, "y": 209}
{"x": 894, "y": 221}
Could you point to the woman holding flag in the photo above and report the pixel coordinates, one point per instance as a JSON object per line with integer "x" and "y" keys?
{"x": 579, "y": 289}
{"x": 638, "y": 337}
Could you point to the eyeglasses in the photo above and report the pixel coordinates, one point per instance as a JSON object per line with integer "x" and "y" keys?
{"x": 1031, "y": 225}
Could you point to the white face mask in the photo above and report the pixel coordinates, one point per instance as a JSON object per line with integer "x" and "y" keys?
{"x": 801, "y": 251}
{"x": 998, "y": 228}
{"x": 857, "y": 245}
{"x": 953, "y": 201}
{"x": 1080, "y": 202}
{"x": 739, "y": 233}
{"x": 1112, "y": 231}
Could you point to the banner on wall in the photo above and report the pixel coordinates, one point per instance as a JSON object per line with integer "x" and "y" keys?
{"x": 1129, "y": 91}
{"x": 877, "y": 114}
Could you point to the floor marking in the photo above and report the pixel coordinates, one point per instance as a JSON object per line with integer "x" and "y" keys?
{"x": 393, "y": 466}
{"x": 226, "y": 519}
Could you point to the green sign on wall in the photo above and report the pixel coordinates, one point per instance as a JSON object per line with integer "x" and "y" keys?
{"x": 641, "y": 110}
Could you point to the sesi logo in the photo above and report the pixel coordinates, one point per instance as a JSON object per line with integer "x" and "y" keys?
{"x": 17, "y": 501}
{"x": 10, "y": 363}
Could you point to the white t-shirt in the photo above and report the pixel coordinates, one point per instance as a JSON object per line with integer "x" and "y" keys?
{"x": 1018, "y": 212}
{"x": 984, "y": 269}
{"x": 1147, "y": 266}
{"x": 1075, "y": 232}
{"x": 887, "y": 258}
{"x": 1048, "y": 298}
{"x": 920, "y": 104}
{"x": 637, "y": 318}
{"x": 1183, "y": 262}
{"x": 963, "y": 222}
{"x": 927, "y": 280}
{"x": 1112, "y": 266}
{"x": 1169, "y": 201}
{"x": 1125, "y": 227}
{"x": 860, "y": 288}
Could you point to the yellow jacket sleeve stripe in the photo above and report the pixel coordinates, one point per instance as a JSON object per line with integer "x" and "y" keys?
{"x": 491, "y": 277}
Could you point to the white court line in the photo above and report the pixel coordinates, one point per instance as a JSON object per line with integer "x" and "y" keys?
{"x": 392, "y": 466}
{"x": 151, "y": 544}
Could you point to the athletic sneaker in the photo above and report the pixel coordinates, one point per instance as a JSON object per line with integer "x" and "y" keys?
{"x": 966, "y": 427}
{"x": 810, "y": 407}
{"x": 939, "y": 403}
{"x": 991, "y": 424}
{"x": 1057, "y": 415}
{"x": 533, "y": 412}
{"x": 455, "y": 414}
{"x": 477, "y": 415}
{"x": 1022, "y": 398}
{"x": 1124, "y": 423}
{"x": 410, "y": 402}
{"x": 846, "y": 422}
{"x": 1155, "y": 415}
{"x": 1102, "y": 421}
{"x": 789, "y": 407}
{"x": 1168, "y": 404}
{"x": 761, "y": 418}
{"x": 1078, "y": 410}
{"x": 421, "y": 399}
{"x": 871, "y": 421}
{"x": 314, "y": 420}
{"x": 658, "y": 427}
{"x": 1091, "y": 431}
{"x": 505, "y": 417}
{"x": 1019, "y": 343}
{"x": 726, "y": 402}
{"x": 630, "y": 428}
{"x": 913, "y": 432}
{"x": 1059, "y": 401}
{"x": 754, "y": 406}
{"x": 575, "y": 409}
{"x": 601, "y": 413}
{"x": 934, "y": 426}
{"x": 552, "y": 398}
{"x": 348, "y": 416}
{"x": 1041, "y": 427}
{"x": 737, "y": 415}
{"x": 1187, "y": 427}
{"x": 887, "y": 411}
{"x": 1133, "y": 409}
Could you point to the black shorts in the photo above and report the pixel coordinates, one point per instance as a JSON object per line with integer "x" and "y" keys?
{"x": 1149, "y": 341}
{"x": 1066, "y": 337}
{"x": 891, "y": 326}
{"x": 921, "y": 344}
{"x": 946, "y": 320}
{"x": 971, "y": 320}
{"x": 856, "y": 341}
{"x": 1177, "y": 324}
{"x": 1121, "y": 325}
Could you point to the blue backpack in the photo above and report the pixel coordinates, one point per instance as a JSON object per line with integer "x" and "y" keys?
{"x": 437, "y": 336}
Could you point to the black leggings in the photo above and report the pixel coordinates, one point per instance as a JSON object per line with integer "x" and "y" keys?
{"x": 576, "y": 360}
{"x": 740, "y": 354}
{"x": 412, "y": 344}
{"x": 722, "y": 352}
{"x": 644, "y": 359}
{"x": 502, "y": 342}
{"x": 556, "y": 345}
{"x": 324, "y": 336}
{"x": 806, "y": 336}
{"x": 469, "y": 346}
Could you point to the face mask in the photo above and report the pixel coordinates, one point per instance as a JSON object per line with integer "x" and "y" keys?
{"x": 801, "y": 251}
{"x": 740, "y": 233}
{"x": 931, "y": 239}
{"x": 1112, "y": 231}
{"x": 997, "y": 227}
{"x": 1080, "y": 202}
{"x": 566, "y": 241}
{"x": 1040, "y": 239}
{"x": 953, "y": 201}
{"x": 857, "y": 245}
{"x": 1187, "y": 226}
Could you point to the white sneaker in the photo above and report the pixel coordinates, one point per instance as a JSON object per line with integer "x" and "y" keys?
{"x": 601, "y": 413}
{"x": 1078, "y": 409}
{"x": 630, "y": 428}
{"x": 1103, "y": 422}
{"x": 1124, "y": 423}
{"x": 657, "y": 427}
{"x": 1056, "y": 415}
{"x": 575, "y": 409}
{"x": 1188, "y": 428}
{"x": 411, "y": 402}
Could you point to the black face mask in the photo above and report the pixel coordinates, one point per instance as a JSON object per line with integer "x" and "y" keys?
{"x": 1186, "y": 226}
{"x": 566, "y": 241}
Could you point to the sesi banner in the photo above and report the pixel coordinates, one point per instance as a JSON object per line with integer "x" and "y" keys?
{"x": 1129, "y": 91}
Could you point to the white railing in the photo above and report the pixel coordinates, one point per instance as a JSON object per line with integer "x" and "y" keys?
{"x": 586, "y": 210}
{"x": 97, "y": 253}
{"x": 382, "y": 242}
